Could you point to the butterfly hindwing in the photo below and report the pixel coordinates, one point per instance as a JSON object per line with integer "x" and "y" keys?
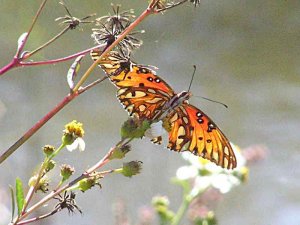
{"x": 142, "y": 102}
{"x": 192, "y": 130}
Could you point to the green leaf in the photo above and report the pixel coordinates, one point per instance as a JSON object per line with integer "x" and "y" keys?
{"x": 19, "y": 195}
{"x": 13, "y": 206}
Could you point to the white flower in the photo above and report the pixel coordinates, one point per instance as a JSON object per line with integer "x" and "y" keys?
{"x": 77, "y": 143}
{"x": 207, "y": 174}
{"x": 186, "y": 172}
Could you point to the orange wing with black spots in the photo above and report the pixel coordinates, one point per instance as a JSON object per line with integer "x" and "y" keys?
{"x": 194, "y": 131}
{"x": 145, "y": 95}
{"x": 124, "y": 73}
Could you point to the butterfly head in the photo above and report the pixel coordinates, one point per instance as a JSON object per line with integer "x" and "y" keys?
{"x": 184, "y": 96}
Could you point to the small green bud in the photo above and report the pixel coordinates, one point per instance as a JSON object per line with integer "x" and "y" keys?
{"x": 131, "y": 168}
{"x": 134, "y": 128}
{"x": 48, "y": 150}
{"x": 43, "y": 183}
{"x": 50, "y": 165}
{"x": 161, "y": 206}
{"x": 160, "y": 201}
{"x": 66, "y": 171}
{"x": 87, "y": 183}
{"x": 120, "y": 152}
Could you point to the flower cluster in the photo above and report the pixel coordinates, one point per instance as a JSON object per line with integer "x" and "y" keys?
{"x": 205, "y": 174}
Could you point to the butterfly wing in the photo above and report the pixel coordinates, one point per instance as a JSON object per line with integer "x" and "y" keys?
{"x": 190, "y": 129}
{"x": 124, "y": 73}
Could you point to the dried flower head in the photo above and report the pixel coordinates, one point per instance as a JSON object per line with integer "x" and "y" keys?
{"x": 67, "y": 201}
{"x": 112, "y": 26}
{"x": 72, "y": 21}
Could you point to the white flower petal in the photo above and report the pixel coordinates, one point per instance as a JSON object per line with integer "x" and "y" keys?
{"x": 78, "y": 143}
{"x": 72, "y": 146}
{"x": 186, "y": 172}
{"x": 81, "y": 144}
{"x": 200, "y": 184}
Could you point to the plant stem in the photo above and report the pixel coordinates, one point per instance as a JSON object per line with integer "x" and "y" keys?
{"x": 38, "y": 218}
{"x": 37, "y": 126}
{"x": 27, "y": 55}
{"x": 47, "y": 117}
{"x": 31, "y": 27}
{"x": 86, "y": 174}
{"x": 52, "y": 61}
{"x": 182, "y": 209}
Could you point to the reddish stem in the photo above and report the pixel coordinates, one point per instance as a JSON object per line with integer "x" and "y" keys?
{"x": 60, "y": 59}
{"x": 18, "y": 62}
{"x": 13, "y": 63}
{"x": 37, "y": 126}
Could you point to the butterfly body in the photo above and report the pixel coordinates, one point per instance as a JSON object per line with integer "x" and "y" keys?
{"x": 146, "y": 96}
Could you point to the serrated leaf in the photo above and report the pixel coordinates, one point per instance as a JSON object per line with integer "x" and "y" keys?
{"x": 72, "y": 73}
{"x": 13, "y": 206}
{"x": 19, "y": 195}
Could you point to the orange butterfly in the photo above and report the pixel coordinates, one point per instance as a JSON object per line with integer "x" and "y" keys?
{"x": 146, "y": 96}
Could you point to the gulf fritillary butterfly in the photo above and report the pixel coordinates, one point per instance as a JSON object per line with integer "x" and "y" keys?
{"x": 146, "y": 96}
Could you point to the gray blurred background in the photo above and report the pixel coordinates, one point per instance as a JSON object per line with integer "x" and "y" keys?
{"x": 247, "y": 56}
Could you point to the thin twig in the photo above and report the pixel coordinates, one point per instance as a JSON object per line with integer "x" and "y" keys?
{"x": 27, "y": 55}
{"x": 38, "y": 218}
{"x": 52, "y": 61}
{"x": 20, "y": 49}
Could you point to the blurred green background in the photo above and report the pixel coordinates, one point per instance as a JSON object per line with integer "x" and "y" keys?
{"x": 247, "y": 56}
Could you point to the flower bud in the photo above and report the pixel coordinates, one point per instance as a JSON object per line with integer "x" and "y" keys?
{"x": 48, "y": 150}
{"x": 120, "y": 152}
{"x": 87, "y": 183}
{"x": 42, "y": 185}
{"x": 66, "y": 171}
{"x": 50, "y": 165}
{"x": 131, "y": 168}
{"x": 134, "y": 128}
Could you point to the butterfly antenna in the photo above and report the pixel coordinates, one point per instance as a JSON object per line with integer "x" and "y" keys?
{"x": 192, "y": 77}
{"x": 208, "y": 99}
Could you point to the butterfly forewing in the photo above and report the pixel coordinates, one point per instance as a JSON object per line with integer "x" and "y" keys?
{"x": 124, "y": 73}
{"x": 194, "y": 131}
